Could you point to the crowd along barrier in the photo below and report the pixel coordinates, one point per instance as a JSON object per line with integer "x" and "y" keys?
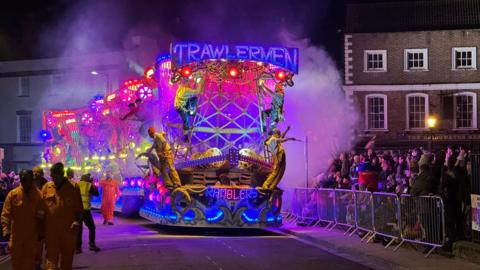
{"x": 386, "y": 216}
{"x": 405, "y": 218}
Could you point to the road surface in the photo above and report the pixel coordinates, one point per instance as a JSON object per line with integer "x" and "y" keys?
{"x": 138, "y": 244}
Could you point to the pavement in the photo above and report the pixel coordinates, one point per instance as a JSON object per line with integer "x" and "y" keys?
{"x": 139, "y": 244}
{"x": 374, "y": 255}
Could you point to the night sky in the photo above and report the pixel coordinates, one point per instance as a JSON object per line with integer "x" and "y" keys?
{"x": 38, "y": 29}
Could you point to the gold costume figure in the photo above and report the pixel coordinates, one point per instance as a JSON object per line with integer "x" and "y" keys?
{"x": 279, "y": 159}
{"x": 165, "y": 158}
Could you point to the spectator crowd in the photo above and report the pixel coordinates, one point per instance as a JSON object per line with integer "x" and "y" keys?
{"x": 445, "y": 173}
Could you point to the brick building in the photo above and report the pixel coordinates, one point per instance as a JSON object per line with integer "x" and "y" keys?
{"x": 408, "y": 61}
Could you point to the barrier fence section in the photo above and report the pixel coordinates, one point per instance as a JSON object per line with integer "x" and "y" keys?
{"x": 386, "y": 216}
{"x": 325, "y": 207}
{"x": 364, "y": 213}
{"x": 422, "y": 220}
{"x": 344, "y": 209}
{"x": 404, "y": 218}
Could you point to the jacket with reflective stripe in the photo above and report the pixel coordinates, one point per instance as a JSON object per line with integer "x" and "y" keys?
{"x": 85, "y": 192}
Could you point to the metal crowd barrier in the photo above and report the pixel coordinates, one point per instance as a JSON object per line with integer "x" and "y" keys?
{"x": 386, "y": 216}
{"x": 364, "y": 214}
{"x": 344, "y": 209}
{"x": 325, "y": 207}
{"x": 418, "y": 220}
{"x": 422, "y": 221}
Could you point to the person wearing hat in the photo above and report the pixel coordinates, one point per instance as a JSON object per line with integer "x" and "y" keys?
{"x": 165, "y": 158}
{"x": 63, "y": 204}
{"x": 87, "y": 189}
{"x": 21, "y": 217}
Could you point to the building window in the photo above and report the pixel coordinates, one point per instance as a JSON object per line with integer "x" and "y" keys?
{"x": 465, "y": 113}
{"x": 23, "y": 86}
{"x": 24, "y": 126}
{"x": 416, "y": 59}
{"x": 464, "y": 58}
{"x": 417, "y": 111}
{"x": 57, "y": 83}
{"x": 375, "y": 60}
{"x": 376, "y": 112}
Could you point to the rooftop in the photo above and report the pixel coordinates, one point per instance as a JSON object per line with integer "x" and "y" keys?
{"x": 409, "y": 15}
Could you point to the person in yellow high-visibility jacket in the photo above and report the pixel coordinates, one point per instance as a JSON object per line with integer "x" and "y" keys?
{"x": 63, "y": 204}
{"x": 87, "y": 189}
{"x": 21, "y": 216}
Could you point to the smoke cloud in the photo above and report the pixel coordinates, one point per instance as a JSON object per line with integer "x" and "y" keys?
{"x": 315, "y": 107}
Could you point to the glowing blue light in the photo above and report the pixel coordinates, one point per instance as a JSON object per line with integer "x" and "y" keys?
{"x": 270, "y": 217}
{"x": 189, "y": 215}
{"x": 172, "y": 216}
{"x": 214, "y": 215}
{"x": 250, "y": 215}
{"x": 45, "y": 135}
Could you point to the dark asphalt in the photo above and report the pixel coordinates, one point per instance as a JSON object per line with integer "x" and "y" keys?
{"x": 138, "y": 244}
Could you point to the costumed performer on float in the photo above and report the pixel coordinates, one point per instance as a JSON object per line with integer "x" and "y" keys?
{"x": 141, "y": 114}
{"x": 165, "y": 158}
{"x": 278, "y": 99}
{"x": 186, "y": 100}
{"x": 279, "y": 159}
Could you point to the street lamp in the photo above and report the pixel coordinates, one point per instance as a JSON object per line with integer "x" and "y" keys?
{"x": 107, "y": 77}
{"x": 431, "y": 124}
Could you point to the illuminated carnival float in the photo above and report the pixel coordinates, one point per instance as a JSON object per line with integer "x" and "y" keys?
{"x": 217, "y": 108}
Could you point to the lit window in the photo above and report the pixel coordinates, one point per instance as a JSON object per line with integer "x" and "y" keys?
{"x": 375, "y": 60}
{"x": 416, "y": 59}
{"x": 24, "y": 126}
{"x": 376, "y": 111}
{"x": 23, "y": 86}
{"x": 464, "y": 58}
{"x": 465, "y": 105}
{"x": 417, "y": 110}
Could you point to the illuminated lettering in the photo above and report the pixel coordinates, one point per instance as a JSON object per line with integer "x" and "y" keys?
{"x": 233, "y": 194}
{"x": 193, "y": 50}
{"x": 205, "y": 53}
{"x": 242, "y": 52}
{"x": 185, "y": 53}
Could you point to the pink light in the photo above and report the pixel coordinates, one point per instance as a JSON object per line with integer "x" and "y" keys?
{"x": 132, "y": 183}
{"x": 125, "y": 182}
{"x": 139, "y": 183}
{"x": 159, "y": 198}
{"x": 167, "y": 199}
{"x": 151, "y": 197}
{"x": 87, "y": 119}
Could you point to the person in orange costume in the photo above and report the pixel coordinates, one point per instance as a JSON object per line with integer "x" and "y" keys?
{"x": 22, "y": 212}
{"x": 64, "y": 209}
{"x": 110, "y": 193}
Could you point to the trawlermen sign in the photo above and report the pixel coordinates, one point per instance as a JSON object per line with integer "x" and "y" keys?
{"x": 187, "y": 52}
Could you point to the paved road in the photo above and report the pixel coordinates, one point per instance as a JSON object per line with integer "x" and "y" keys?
{"x": 138, "y": 244}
